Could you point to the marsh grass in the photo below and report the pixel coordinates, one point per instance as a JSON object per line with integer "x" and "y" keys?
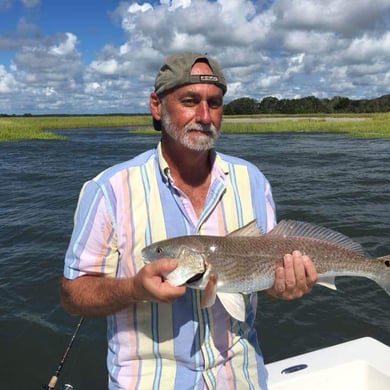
{"x": 22, "y": 128}
{"x": 359, "y": 125}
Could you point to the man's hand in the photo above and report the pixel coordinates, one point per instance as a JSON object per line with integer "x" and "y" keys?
{"x": 295, "y": 278}
{"x": 96, "y": 295}
{"x": 150, "y": 285}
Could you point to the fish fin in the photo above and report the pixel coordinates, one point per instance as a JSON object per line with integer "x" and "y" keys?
{"x": 250, "y": 229}
{"x": 234, "y": 304}
{"x": 293, "y": 228}
{"x": 327, "y": 281}
{"x": 209, "y": 292}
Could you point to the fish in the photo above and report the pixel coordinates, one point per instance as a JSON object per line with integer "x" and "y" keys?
{"x": 245, "y": 260}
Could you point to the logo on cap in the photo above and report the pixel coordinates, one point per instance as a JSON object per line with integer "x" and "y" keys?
{"x": 209, "y": 78}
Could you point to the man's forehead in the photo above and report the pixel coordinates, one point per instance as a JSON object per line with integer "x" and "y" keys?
{"x": 201, "y": 89}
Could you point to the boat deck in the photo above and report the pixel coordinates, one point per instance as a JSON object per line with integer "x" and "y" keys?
{"x": 362, "y": 364}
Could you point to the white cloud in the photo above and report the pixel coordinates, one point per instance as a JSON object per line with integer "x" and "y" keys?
{"x": 44, "y": 63}
{"x": 94, "y": 88}
{"x": 283, "y": 48}
{"x": 337, "y": 16}
{"x": 6, "y": 4}
{"x": 7, "y": 81}
{"x": 50, "y": 91}
{"x": 107, "y": 67}
{"x": 66, "y": 47}
{"x": 135, "y": 7}
{"x": 31, "y": 3}
{"x": 269, "y": 81}
{"x": 309, "y": 42}
{"x": 369, "y": 49}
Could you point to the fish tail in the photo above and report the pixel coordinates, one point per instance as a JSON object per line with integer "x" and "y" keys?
{"x": 383, "y": 279}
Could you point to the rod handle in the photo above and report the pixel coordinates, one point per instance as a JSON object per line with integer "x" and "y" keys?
{"x": 52, "y": 382}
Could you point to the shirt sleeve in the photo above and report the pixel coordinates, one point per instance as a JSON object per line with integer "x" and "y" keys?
{"x": 93, "y": 245}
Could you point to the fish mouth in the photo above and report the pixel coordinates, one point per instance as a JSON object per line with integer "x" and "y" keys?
{"x": 195, "y": 278}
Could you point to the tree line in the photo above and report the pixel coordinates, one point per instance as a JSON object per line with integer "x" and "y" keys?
{"x": 306, "y": 105}
{"x": 273, "y": 105}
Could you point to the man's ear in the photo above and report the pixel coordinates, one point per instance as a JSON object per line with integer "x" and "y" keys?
{"x": 155, "y": 106}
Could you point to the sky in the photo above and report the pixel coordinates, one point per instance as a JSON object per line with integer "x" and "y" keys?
{"x": 101, "y": 56}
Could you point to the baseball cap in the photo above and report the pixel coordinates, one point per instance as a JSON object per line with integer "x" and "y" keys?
{"x": 176, "y": 72}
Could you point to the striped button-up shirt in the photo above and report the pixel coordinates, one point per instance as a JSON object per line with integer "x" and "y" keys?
{"x": 170, "y": 346}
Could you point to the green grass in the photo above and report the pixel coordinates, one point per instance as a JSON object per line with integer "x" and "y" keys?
{"x": 23, "y": 128}
{"x": 374, "y": 125}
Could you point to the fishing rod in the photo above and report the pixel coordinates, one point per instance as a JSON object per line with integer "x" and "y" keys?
{"x": 53, "y": 381}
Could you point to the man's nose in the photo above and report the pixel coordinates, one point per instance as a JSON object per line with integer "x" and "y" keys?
{"x": 203, "y": 113}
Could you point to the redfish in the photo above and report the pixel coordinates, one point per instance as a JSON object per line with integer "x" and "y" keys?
{"x": 245, "y": 260}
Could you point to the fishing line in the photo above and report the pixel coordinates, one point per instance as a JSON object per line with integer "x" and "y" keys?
{"x": 53, "y": 381}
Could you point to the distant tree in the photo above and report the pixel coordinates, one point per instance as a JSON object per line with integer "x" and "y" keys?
{"x": 381, "y": 104}
{"x": 309, "y": 104}
{"x": 245, "y": 105}
{"x": 340, "y": 104}
{"x": 269, "y": 105}
{"x": 325, "y": 106}
{"x": 306, "y": 105}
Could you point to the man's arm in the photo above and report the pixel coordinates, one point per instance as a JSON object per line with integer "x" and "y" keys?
{"x": 93, "y": 295}
{"x": 295, "y": 278}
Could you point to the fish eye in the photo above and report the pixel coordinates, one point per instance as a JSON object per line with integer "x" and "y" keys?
{"x": 387, "y": 263}
{"x": 159, "y": 250}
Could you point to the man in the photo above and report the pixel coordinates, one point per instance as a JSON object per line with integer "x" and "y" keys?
{"x": 158, "y": 335}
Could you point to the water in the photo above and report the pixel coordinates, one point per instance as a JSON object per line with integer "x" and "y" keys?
{"x": 331, "y": 180}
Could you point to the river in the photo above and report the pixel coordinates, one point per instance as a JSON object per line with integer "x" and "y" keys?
{"x": 328, "y": 179}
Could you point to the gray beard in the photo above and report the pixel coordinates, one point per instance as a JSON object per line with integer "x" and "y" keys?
{"x": 202, "y": 143}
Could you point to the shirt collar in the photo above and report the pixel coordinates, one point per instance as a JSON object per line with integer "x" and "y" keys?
{"x": 162, "y": 163}
{"x": 219, "y": 167}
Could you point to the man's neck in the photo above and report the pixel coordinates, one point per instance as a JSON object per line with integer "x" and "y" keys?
{"x": 185, "y": 165}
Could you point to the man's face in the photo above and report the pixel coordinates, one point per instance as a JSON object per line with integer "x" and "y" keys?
{"x": 192, "y": 114}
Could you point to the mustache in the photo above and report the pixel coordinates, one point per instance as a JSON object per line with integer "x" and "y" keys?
{"x": 200, "y": 127}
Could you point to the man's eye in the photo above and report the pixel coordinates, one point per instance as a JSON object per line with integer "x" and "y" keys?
{"x": 188, "y": 102}
{"x": 215, "y": 103}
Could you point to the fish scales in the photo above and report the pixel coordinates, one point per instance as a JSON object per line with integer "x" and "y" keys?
{"x": 248, "y": 263}
{"x": 245, "y": 260}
